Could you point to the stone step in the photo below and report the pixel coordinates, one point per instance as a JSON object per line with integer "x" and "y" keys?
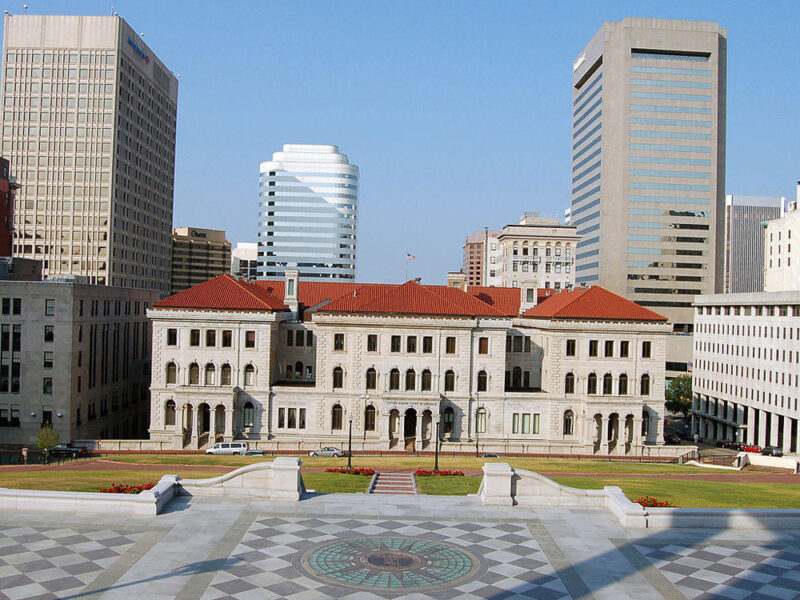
{"x": 394, "y": 483}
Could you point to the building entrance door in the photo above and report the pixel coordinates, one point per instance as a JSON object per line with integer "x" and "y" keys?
{"x": 410, "y": 429}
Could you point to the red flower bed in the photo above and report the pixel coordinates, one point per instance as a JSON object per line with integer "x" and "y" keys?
{"x": 352, "y": 471}
{"x": 754, "y": 449}
{"x": 651, "y": 502}
{"x": 126, "y": 488}
{"x": 443, "y": 472}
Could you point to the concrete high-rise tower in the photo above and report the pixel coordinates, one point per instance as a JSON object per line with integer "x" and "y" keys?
{"x": 307, "y": 213}
{"x": 648, "y": 165}
{"x": 89, "y": 128}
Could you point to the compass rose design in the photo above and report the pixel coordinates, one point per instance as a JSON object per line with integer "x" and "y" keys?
{"x": 389, "y": 563}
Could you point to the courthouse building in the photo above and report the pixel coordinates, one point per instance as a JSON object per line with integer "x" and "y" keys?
{"x": 290, "y": 364}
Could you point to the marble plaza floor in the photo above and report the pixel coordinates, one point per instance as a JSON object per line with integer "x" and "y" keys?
{"x": 358, "y": 546}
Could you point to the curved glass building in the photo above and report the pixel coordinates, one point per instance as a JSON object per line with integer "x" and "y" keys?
{"x": 307, "y": 213}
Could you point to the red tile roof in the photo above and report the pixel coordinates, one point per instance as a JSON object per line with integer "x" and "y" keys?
{"x": 594, "y": 304}
{"x": 506, "y": 300}
{"x": 223, "y": 293}
{"x": 411, "y": 298}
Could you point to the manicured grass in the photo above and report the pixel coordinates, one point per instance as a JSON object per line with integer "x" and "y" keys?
{"x": 87, "y": 481}
{"x": 336, "y": 483}
{"x": 685, "y": 493}
{"x": 448, "y": 486}
{"x": 414, "y": 462}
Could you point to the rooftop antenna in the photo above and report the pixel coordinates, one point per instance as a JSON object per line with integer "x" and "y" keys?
{"x": 112, "y": 11}
{"x": 25, "y": 7}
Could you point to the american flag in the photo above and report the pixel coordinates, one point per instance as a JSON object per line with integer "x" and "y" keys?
{"x": 410, "y": 256}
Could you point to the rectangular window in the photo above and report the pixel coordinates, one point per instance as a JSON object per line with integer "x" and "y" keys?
{"x": 396, "y": 340}
{"x": 527, "y": 344}
{"x": 301, "y": 424}
{"x": 526, "y": 423}
{"x": 47, "y": 386}
{"x": 624, "y": 349}
{"x": 281, "y": 417}
{"x": 338, "y": 341}
{"x": 529, "y": 294}
{"x": 249, "y": 339}
{"x": 48, "y": 360}
{"x": 49, "y": 307}
{"x": 291, "y": 421}
{"x": 309, "y": 339}
{"x": 427, "y": 344}
{"x": 372, "y": 342}
{"x": 593, "y": 347}
{"x": 17, "y": 310}
{"x": 411, "y": 344}
{"x": 6, "y": 306}
{"x": 227, "y": 338}
{"x": 298, "y": 338}
{"x": 483, "y": 345}
{"x": 535, "y": 422}
{"x": 515, "y": 423}
{"x": 172, "y": 337}
{"x": 48, "y": 333}
{"x": 290, "y": 338}
{"x": 450, "y": 345}
{"x": 571, "y": 345}
{"x": 194, "y": 337}
{"x": 211, "y": 338}
{"x": 609, "y": 348}
{"x": 646, "y": 349}
{"x": 517, "y": 343}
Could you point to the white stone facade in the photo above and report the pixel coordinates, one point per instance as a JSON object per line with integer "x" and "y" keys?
{"x": 781, "y": 263}
{"x": 494, "y": 383}
{"x": 747, "y": 368}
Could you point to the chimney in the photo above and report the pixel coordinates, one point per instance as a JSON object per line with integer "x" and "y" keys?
{"x": 457, "y": 279}
{"x": 291, "y": 283}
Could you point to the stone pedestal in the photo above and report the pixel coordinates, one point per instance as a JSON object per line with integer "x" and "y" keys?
{"x": 496, "y": 486}
{"x": 287, "y": 482}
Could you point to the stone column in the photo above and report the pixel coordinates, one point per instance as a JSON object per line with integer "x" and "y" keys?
{"x": 636, "y": 444}
{"x": 195, "y": 436}
{"x": 603, "y": 435}
{"x": 418, "y": 442}
{"x": 385, "y": 427}
{"x": 401, "y": 430}
{"x": 212, "y": 425}
{"x": 773, "y": 434}
{"x": 762, "y": 428}
{"x": 787, "y": 435}
{"x": 741, "y": 435}
{"x": 658, "y": 427}
{"x": 228, "y": 424}
{"x": 702, "y": 427}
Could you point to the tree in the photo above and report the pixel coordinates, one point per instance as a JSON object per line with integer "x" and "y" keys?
{"x": 679, "y": 395}
{"x": 46, "y": 439}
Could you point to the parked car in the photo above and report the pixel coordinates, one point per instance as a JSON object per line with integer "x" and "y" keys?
{"x": 772, "y": 451}
{"x": 490, "y": 455}
{"x": 254, "y": 453}
{"x": 228, "y": 448}
{"x": 327, "y": 451}
{"x": 68, "y": 451}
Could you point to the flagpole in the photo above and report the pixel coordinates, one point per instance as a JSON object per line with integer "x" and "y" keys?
{"x": 406, "y": 279}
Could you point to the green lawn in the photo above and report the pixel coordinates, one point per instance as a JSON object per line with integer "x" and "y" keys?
{"x": 413, "y": 462}
{"x": 685, "y": 493}
{"x": 87, "y": 481}
{"x": 448, "y": 486}
{"x": 336, "y": 483}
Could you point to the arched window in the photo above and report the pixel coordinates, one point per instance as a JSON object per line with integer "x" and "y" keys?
{"x": 483, "y": 381}
{"x": 427, "y": 381}
{"x": 645, "y": 423}
{"x": 298, "y": 369}
{"x": 169, "y": 413}
{"x": 172, "y": 373}
{"x": 480, "y": 420}
{"x": 516, "y": 378}
{"x": 608, "y": 384}
{"x": 569, "y": 422}
{"x": 289, "y": 372}
{"x": 448, "y": 418}
{"x": 558, "y": 248}
{"x": 535, "y": 249}
{"x": 248, "y": 414}
{"x": 548, "y": 250}
{"x": 249, "y": 375}
{"x": 524, "y": 248}
{"x": 338, "y": 378}
{"x": 645, "y": 387}
{"x": 336, "y": 416}
{"x": 394, "y": 379}
{"x": 591, "y": 384}
{"x": 449, "y": 381}
{"x": 622, "y": 386}
{"x": 411, "y": 380}
{"x": 194, "y": 374}
{"x": 569, "y": 250}
{"x": 225, "y": 374}
{"x": 369, "y": 418}
{"x": 372, "y": 379}
{"x": 516, "y": 248}
{"x": 569, "y": 383}
{"x": 211, "y": 374}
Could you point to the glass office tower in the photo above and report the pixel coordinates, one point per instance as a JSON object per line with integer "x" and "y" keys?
{"x": 308, "y": 211}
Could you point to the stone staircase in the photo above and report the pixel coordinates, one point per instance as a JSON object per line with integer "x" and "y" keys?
{"x": 394, "y": 483}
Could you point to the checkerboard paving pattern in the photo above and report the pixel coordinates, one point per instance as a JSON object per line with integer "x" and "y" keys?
{"x": 49, "y": 562}
{"x": 264, "y": 563}
{"x": 729, "y": 570}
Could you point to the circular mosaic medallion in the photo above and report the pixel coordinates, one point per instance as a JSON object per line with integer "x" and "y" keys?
{"x": 389, "y": 563}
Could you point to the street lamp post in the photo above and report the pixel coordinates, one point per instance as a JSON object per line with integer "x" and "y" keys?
{"x": 436, "y": 453}
{"x": 350, "y": 444}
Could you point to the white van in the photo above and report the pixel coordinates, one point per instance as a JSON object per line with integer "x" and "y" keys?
{"x": 228, "y": 448}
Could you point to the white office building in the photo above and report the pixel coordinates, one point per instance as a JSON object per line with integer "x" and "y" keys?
{"x": 307, "y": 213}
{"x": 780, "y": 271}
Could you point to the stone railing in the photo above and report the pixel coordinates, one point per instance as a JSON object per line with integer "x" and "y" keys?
{"x": 278, "y": 480}
{"x": 505, "y": 486}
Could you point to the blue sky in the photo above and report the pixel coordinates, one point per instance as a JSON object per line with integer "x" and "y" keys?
{"x": 457, "y": 113}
